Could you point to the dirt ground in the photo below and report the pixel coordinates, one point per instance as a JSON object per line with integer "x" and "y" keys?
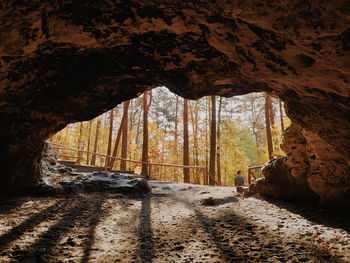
{"x": 176, "y": 223}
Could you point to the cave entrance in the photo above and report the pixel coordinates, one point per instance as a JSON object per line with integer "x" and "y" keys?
{"x": 174, "y": 126}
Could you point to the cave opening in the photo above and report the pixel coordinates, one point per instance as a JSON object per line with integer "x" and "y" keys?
{"x": 240, "y": 137}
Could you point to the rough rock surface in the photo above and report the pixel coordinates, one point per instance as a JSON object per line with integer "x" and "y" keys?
{"x": 288, "y": 177}
{"x": 102, "y": 182}
{"x": 279, "y": 182}
{"x": 59, "y": 179}
{"x": 68, "y": 61}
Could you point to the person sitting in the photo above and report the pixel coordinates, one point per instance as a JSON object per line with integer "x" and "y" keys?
{"x": 239, "y": 182}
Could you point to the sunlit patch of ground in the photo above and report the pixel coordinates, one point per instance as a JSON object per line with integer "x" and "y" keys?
{"x": 177, "y": 223}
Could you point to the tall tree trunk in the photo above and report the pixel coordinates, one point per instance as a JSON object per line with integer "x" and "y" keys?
{"x": 132, "y": 114}
{"x": 268, "y": 126}
{"x": 281, "y": 115}
{"x": 196, "y": 135}
{"x": 88, "y": 145}
{"x": 144, "y": 169}
{"x": 176, "y": 123}
{"x": 93, "y": 159}
{"x": 137, "y": 133}
{"x": 271, "y": 112}
{"x": 80, "y": 142}
{"x": 212, "y": 142}
{"x": 218, "y": 164}
{"x": 125, "y": 135}
{"x": 191, "y": 115}
{"x": 194, "y": 121}
{"x": 109, "y": 146}
{"x": 186, "y": 157}
{"x": 207, "y": 121}
{"x": 117, "y": 140}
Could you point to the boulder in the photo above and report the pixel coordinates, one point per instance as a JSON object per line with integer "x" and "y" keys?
{"x": 278, "y": 182}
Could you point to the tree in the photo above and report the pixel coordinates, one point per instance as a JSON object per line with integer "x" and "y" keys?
{"x": 176, "y": 122}
{"x": 117, "y": 140}
{"x": 194, "y": 121}
{"x": 93, "y": 159}
{"x": 124, "y": 135}
{"x": 88, "y": 145}
{"x": 268, "y": 126}
{"x": 80, "y": 143}
{"x": 281, "y": 115}
{"x": 146, "y": 105}
{"x": 186, "y": 154}
{"x": 110, "y": 134}
{"x": 212, "y": 155}
{"x": 207, "y": 121}
{"x": 218, "y": 161}
{"x": 271, "y": 112}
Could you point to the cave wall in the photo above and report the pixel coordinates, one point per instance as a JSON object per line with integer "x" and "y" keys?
{"x": 65, "y": 61}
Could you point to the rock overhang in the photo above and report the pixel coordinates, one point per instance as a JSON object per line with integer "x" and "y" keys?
{"x": 70, "y": 61}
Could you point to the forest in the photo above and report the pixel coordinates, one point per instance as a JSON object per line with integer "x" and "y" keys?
{"x": 222, "y": 135}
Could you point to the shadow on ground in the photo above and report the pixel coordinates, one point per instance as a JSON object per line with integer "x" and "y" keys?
{"x": 331, "y": 218}
{"x": 239, "y": 240}
{"x": 66, "y": 216}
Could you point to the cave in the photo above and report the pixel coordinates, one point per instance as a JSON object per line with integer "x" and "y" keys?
{"x": 69, "y": 61}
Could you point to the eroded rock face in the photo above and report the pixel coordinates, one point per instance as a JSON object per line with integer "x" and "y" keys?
{"x": 312, "y": 169}
{"x": 70, "y": 61}
{"x": 281, "y": 182}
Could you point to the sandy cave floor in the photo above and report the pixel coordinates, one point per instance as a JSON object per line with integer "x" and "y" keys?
{"x": 176, "y": 223}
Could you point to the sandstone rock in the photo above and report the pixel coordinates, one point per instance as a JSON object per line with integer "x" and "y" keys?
{"x": 49, "y": 154}
{"x": 279, "y": 182}
{"x": 329, "y": 172}
{"x": 49, "y": 164}
{"x": 70, "y": 61}
{"x": 105, "y": 182}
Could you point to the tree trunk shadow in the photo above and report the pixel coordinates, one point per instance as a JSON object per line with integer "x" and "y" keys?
{"x": 145, "y": 233}
{"x": 30, "y": 223}
{"x": 74, "y": 216}
{"x": 231, "y": 248}
{"x": 94, "y": 220}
